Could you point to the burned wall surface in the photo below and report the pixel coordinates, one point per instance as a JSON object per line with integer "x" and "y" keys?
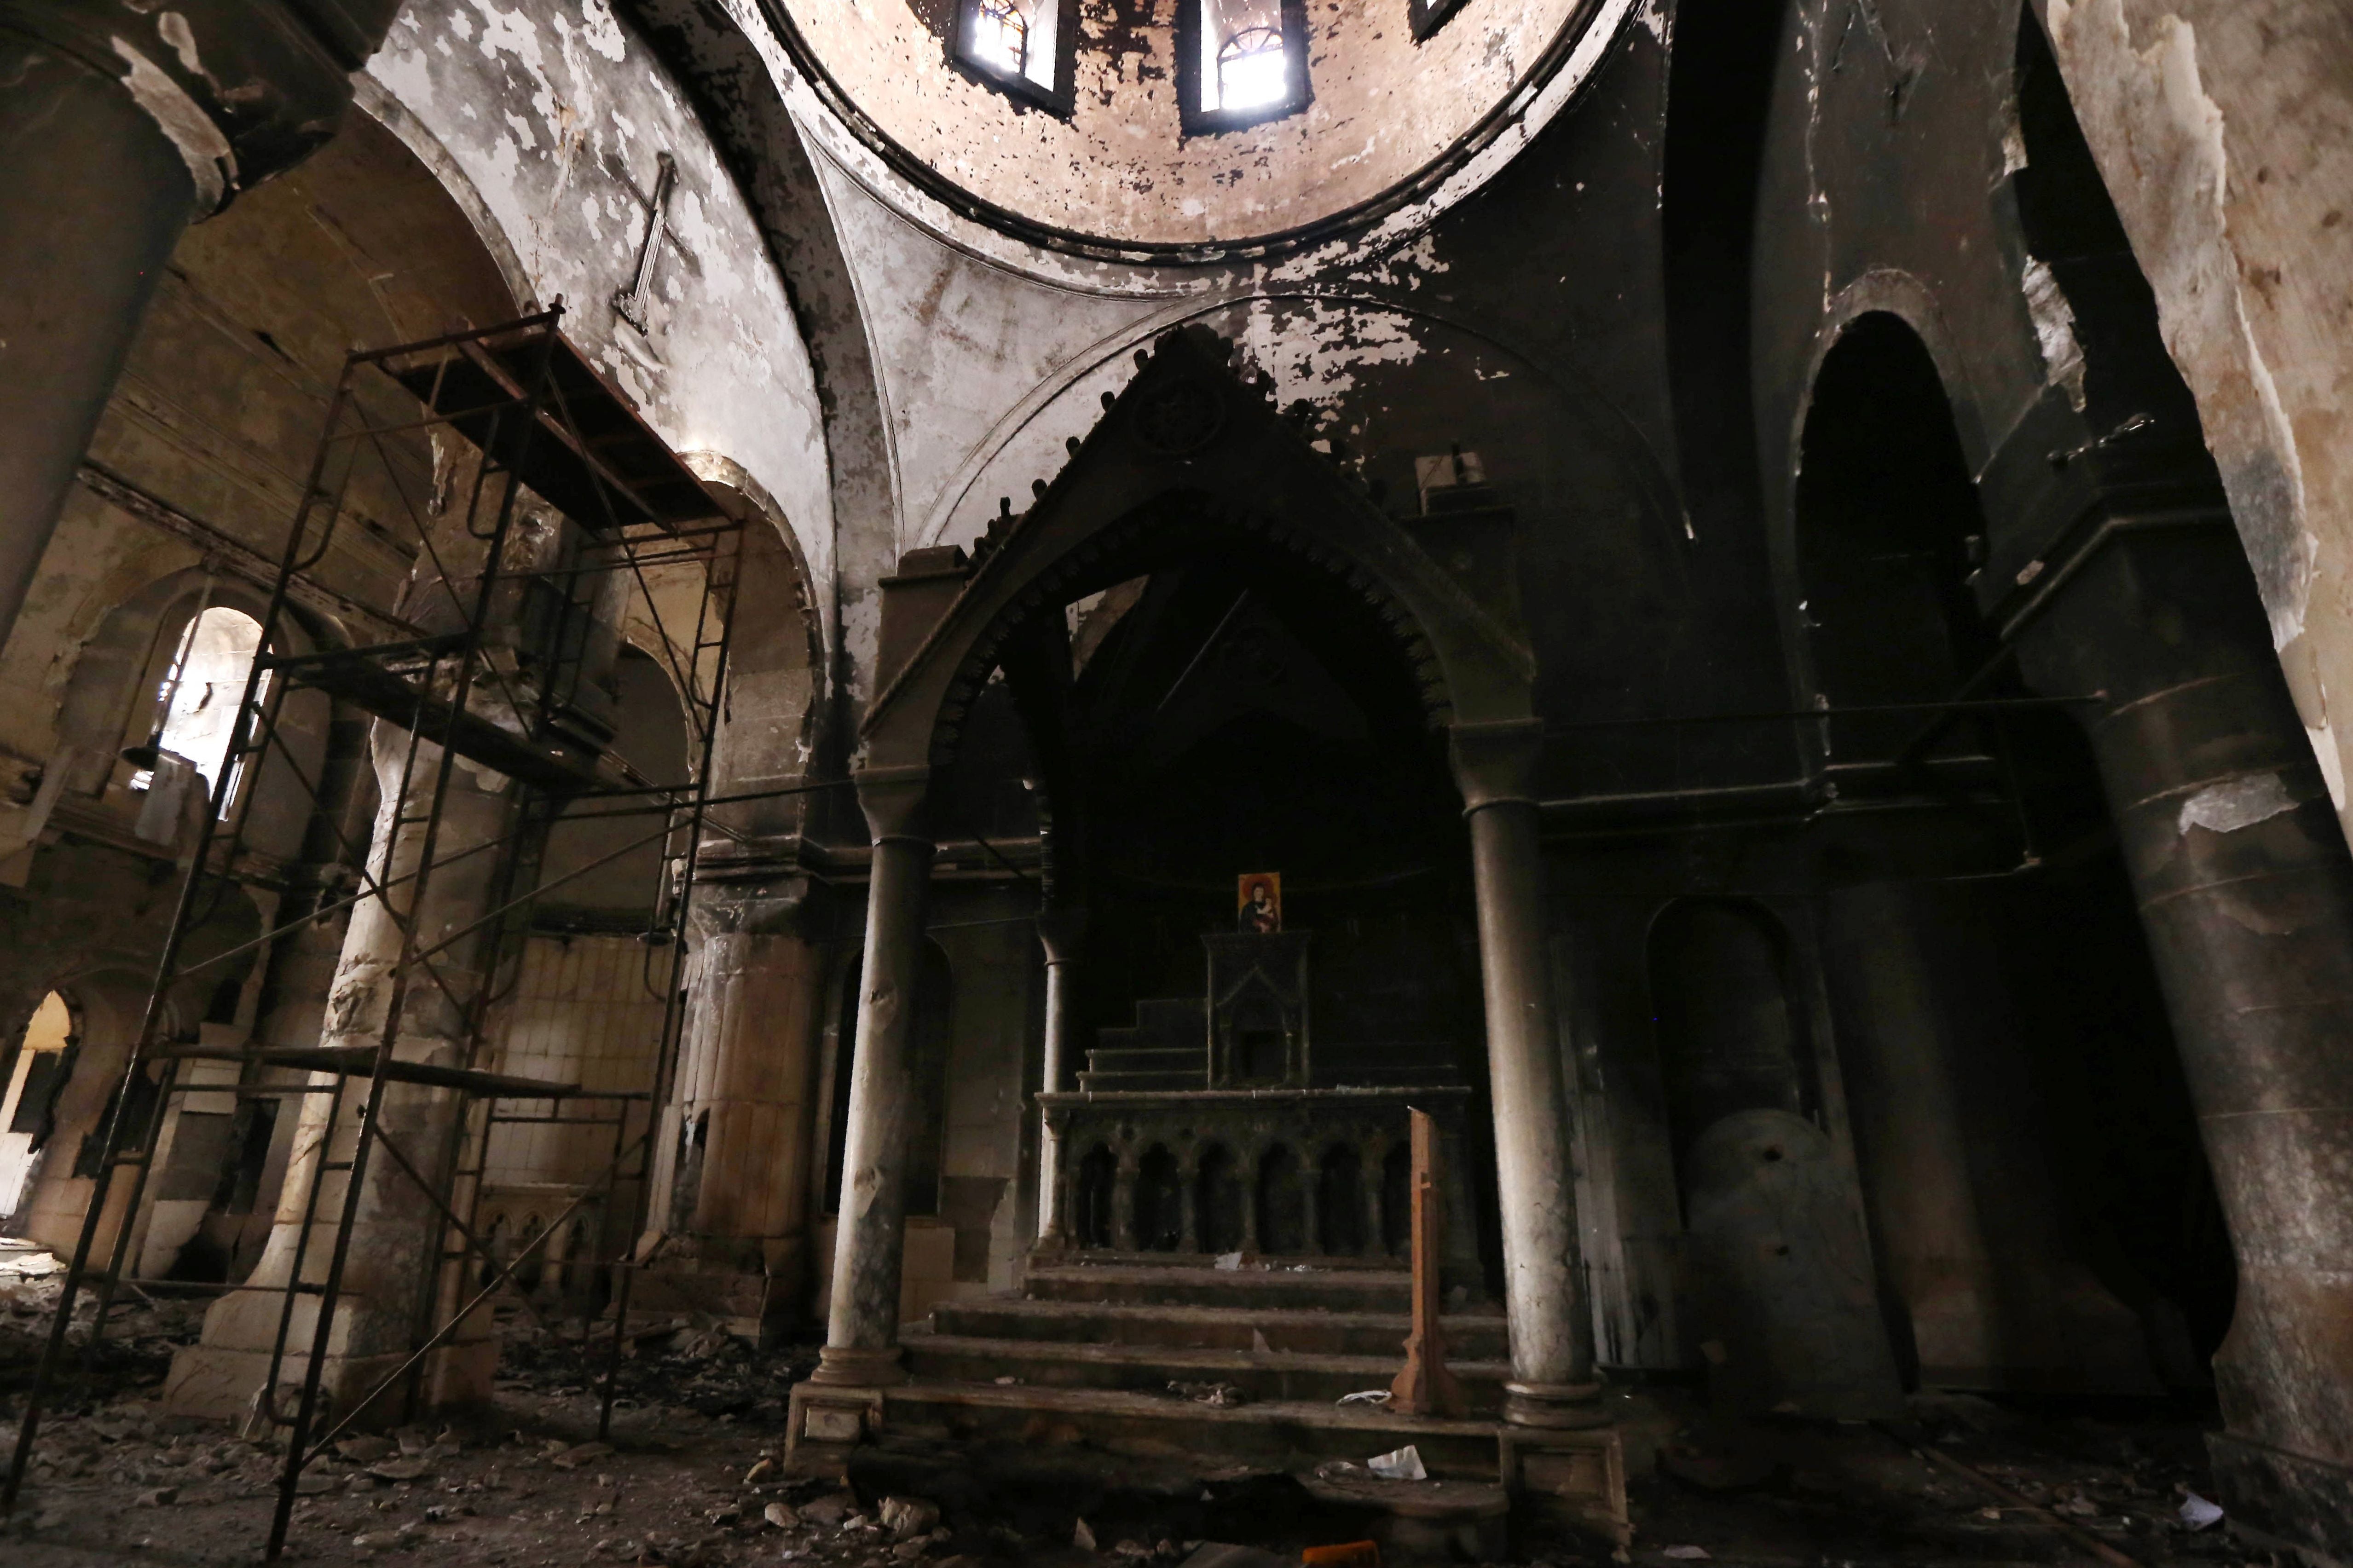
{"x": 1382, "y": 109}
{"x": 2225, "y": 135}
{"x": 553, "y": 122}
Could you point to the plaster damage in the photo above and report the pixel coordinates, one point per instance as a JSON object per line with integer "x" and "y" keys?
{"x": 2054, "y": 330}
{"x": 1383, "y": 107}
{"x": 2238, "y": 802}
{"x": 211, "y": 163}
{"x": 2225, "y": 135}
{"x": 556, "y": 119}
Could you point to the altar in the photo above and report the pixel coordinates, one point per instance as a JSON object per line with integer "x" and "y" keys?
{"x": 1215, "y": 1126}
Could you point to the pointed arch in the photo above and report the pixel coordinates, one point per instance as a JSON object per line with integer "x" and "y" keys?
{"x": 1186, "y": 451}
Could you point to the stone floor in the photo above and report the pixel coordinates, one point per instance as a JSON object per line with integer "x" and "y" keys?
{"x": 692, "y": 1477}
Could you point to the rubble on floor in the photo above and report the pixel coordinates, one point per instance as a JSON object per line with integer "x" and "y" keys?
{"x": 141, "y": 1330}
{"x": 693, "y": 1476}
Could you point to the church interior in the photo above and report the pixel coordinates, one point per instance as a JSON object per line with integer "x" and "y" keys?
{"x": 1214, "y": 781}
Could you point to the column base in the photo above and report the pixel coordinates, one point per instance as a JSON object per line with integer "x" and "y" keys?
{"x": 825, "y": 1420}
{"x": 1555, "y": 1406}
{"x": 757, "y": 1290}
{"x": 1575, "y": 1479}
{"x": 850, "y": 1366}
{"x": 221, "y": 1377}
{"x": 217, "y": 1384}
{"x": 2294, "y": 1499}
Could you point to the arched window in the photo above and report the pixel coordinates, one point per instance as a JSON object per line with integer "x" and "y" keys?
{"x": 195, "y": 701}
{"x": 1253, "y": 69}
{"x": 1243, "y": 56}
{"x": 1022, "y": 45}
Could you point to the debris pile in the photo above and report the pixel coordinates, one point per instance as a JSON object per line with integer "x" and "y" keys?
{"x": 141, "y": 1330}
{"x": 678, "y": 1362}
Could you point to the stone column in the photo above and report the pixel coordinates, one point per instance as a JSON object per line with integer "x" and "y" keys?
{"x": 1552, "y": 1371}
{"x": 862, "y": 1345}
{"x": 116, "y": 139}
{"x": 2245, "y": 890}
{"x": 735, "y": 1229}
{"x": 394, "y": 1226}
{"x": 1059, "y": 933}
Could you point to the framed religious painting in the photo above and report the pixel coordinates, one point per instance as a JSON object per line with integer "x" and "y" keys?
{"x": 1258, "y": 901}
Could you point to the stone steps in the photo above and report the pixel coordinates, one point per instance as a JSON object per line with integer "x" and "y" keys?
{"x": 1148, "y": 1058}
{"x": 1094, "y": 1082}
{"x": 1307, "y": 1331}
{"x": 1344, "y": 1289}
{"x": 1262, "y": 1376}
{"x": 1137, "y": 1061}
{"x": 1295, "y": 1435}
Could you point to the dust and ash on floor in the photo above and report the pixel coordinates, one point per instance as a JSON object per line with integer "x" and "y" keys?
{"x": 693, "y": 1478}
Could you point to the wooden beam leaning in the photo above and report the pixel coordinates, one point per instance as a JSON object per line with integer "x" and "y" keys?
{"x": 1425, "y": 1387}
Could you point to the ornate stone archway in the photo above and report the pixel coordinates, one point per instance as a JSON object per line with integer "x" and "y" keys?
{"x": 1187, "y": 448}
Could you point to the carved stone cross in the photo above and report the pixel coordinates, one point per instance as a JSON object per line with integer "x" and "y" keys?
{"x": 631, "y": 302}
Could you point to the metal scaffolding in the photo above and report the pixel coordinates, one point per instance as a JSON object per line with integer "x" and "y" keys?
{"x": 551, "y": 508}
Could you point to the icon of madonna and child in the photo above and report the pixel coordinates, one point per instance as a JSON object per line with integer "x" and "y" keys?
{"x": 1258, "y": 902}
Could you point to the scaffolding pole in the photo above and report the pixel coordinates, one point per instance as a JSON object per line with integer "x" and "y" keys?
{"x": 495, "y": 665}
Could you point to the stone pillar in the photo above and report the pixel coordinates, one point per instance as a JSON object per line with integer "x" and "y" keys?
{"x": 2245, "y": 890}
{"x": 394, "y": 1226}
{"x": 116, "y": 138}
{"x": 1552, "y": 1370}
{"x": 1059, "y": 933}
{"x": 862, "y": 1345}
{"x": 732, "y": 1234}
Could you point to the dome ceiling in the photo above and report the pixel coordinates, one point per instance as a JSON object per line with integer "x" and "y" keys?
{"x": 1127, "y": 170}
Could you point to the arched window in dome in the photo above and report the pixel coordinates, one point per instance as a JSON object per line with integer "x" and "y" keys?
{"x": 1023, "y": 46}
{"x": 1244, "y": 62}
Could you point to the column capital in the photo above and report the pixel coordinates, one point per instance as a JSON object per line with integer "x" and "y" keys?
{"x": 1059, "y": 933}
{"x": 896, "y": 802}
{"x": 242, "y": 88}
{"x": 1495, "y": 761}
{"x": 786, "y": 906}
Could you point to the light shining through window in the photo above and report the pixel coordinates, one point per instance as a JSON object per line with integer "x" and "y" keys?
{"x": 1253, "y": 69}
{"x": 199, "y": 692}
{"x": 1001, "y": 38}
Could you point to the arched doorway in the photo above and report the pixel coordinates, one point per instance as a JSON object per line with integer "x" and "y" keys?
{"x": 1780, "y": 1270}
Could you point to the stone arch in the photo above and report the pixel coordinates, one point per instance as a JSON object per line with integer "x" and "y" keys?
{"x": 1185, "y": 447}
{"x": 377, "y": 102}
{"x": 1284, "y": 1208}
{"x": 1219, "y": 1201}
{"x": 777, "y": 659}
{"x": 1095, "y": 1182}
{"x": 1884, "y": 506}
{"x": 1340, "y": 1201}
{"x": 1159, "y": 1200}
{"x": 743, "y": 109}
